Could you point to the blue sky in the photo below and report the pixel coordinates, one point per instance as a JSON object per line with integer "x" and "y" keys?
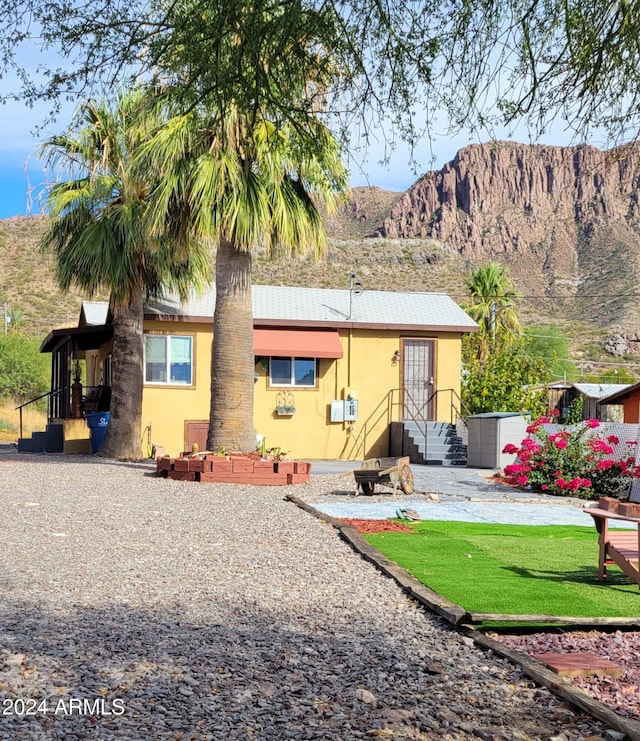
{"x": 19, "y": 168}
{"x": 20, "y": 172}
{"x": 16, "y": 184}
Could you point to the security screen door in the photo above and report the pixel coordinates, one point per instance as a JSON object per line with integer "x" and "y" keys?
{"x": 417, "y": 373}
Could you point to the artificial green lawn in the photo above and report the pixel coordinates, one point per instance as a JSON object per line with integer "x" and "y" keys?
{"x": 512, "y": 569}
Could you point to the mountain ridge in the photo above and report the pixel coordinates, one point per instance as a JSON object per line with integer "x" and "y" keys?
{"x": 560, "y": 218}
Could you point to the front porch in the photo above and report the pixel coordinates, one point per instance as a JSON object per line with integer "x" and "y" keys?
{"x": 77, "y": 354}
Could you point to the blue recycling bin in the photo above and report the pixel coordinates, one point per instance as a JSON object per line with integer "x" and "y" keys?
{"x": 98, "y": 423}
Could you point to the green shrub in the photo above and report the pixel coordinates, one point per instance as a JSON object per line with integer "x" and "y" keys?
{"x": 574, "y": 415}
{"x": 508, "y": 380}
{"x": 24, "y": 371}
{"x": 572, "y": 461}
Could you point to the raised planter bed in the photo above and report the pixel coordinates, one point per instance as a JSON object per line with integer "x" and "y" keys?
{"x": 235, "y": 469}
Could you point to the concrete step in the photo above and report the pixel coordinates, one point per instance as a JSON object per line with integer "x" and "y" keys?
{"x": 34, "y": 444}
{"x": 54, "y": 438}
{"x": 440, "y": 446}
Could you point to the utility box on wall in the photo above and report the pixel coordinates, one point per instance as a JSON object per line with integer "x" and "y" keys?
{"x": 337, "y": 410}
{"x": 489, "y": 433}
{"x": 351, "y": 410}
{"x": 344, "y": 410}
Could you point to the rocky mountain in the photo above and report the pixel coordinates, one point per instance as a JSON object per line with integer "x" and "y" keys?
{"x": 565, "y": 220}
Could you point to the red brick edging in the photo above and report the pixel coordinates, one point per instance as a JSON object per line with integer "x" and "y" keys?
{"x": 233, "y": 470}
{"x": 615, "y": 506}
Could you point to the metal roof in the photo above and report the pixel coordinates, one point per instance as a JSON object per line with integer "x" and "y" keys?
{"x": 600, "y": 390}
{"x": 93, "y": 313}
{"x": 290, "y": 306}
{"x": 621, "y": 394}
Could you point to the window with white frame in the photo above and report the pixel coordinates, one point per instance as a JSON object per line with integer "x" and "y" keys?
{"x": 168, "y": 359}
{"x": 292, "y": 372}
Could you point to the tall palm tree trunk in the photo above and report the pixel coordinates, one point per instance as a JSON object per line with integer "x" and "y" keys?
{"x": 123, "y": 438}
{"x": 232, "y": 361}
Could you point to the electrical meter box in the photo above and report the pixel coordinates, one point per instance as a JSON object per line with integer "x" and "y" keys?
{"x": 344, "y": 410}
{"x": 350, "y": 410}
{"x": 337, "y": 410}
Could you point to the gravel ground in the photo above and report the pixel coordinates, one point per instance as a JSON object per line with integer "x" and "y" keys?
{"x": 142, "y": 608}
{"x": 621, "y": 694}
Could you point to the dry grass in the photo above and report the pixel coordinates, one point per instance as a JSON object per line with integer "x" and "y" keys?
{"x": 32, "y": 420}
{"x": 27, "y": 283}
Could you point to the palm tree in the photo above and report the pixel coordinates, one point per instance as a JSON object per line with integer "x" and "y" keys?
{"x": 247, "y": 184}
{"x": 492, "y": 305}
{"x": 99, "y": 235}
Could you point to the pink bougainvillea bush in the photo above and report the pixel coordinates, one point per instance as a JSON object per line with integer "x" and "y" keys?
{"x": 572, "y": 461}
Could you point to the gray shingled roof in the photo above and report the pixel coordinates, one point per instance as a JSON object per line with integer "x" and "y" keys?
{"x": 289, "y": 306}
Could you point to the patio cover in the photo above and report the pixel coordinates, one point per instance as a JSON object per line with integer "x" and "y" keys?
{"x": 298, "y": 343}
{"x": 82, "y": 338}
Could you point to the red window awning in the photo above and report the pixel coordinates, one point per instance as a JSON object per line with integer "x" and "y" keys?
{"x": 300, "y": 343}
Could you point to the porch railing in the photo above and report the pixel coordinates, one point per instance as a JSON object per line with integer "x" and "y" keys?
{"x": 65, "y": 393}
{"x": 392, "y": 408}
{"x": 457, "y": 408}
{"x": 442, "y": 407}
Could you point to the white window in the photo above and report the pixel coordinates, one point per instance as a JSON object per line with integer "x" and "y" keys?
{"x": 292, "y": 372}
{"x": 168, "y": 359}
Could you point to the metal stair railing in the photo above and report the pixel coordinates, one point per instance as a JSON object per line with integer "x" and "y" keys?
{"x": 48, "y": 396}
{"x": 457, "y": 409}
{"x": 390, "y": 409}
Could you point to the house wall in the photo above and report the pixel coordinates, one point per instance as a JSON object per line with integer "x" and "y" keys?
{"x": 368, "y": 368}
{"x": 166, "y": 409}
{"x": 94, "y": 365}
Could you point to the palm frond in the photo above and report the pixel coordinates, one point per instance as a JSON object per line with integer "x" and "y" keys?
{"x": 100, "y": 229}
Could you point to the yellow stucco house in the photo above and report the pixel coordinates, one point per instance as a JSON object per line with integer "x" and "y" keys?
{"x": 335, "y": 370}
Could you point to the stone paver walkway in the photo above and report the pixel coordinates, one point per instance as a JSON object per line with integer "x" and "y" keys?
{"x": 463, "y": 494}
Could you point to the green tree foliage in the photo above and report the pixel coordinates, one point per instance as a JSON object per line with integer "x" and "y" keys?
{"x": 508, "y": 380}
{"x": 15, "y": 319}
{"x": 241, "y": 160}
{"x": 499, "y": 373}
{"x": 484, "y": 63}
{"x": 575, "y": 412}
{"x": 244, "y": 160}
{"x": 290, "y": 61}
{"x": 614, "y": 375}
{"x": 243, "y": 183}
{"x": 358, "y": 56}
{"x": 24, "y": 371}
{"x": 548, "y": 342}
{"x": 547, "y": 59}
